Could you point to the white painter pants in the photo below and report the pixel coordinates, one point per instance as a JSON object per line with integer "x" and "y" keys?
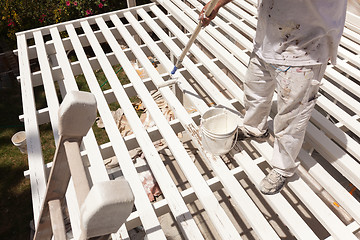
{"x": 297, "y": 89}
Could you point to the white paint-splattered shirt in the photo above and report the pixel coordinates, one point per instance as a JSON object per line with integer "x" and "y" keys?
{"x": 299, "y": 32}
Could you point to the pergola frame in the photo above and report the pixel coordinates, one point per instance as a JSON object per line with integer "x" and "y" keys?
{"x": 213, "y": 72}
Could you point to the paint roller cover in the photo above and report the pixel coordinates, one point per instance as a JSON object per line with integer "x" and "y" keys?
{"x": 77, "y": 114}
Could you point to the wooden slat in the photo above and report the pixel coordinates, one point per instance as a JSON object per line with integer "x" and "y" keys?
{"x": 43, "y": 113}
{"x": 341, "y": 96}
{"x": 153, "y": 9}
{"x": 235, "y": 34}
{"x": 148, "y": 217}
{"x": 340, "y": 194}
{"x": 351, "y": 40}
{"x": 308, "y": 202}
{"x": 168, "y": 187}
{"x": 349, "y": 122}
{"x": 189, "y": 194}
{"x": 353, "y": 21}
{"x": 286, "y": 212}
{"x": 57, "y": 73}
{"x": 49, "y": 87}
{"x": 346, "y": 66}
{"x": 35, "y": 157}
{"x": 327, "y": 146}
{"x": 122, "y": 234}
{"x": 329, "y": 139}
{"x": 239, "y": 7}
{"x": 348, "y": 84}
{"x": 207, "y": 41}
{"x": 215, "y": 212}
{"x": 348, "y": 43}
{"x": 349, "y": 56}
{"x": 338, "y": 158}
{"x": 335, "y": 133}
{"x": 353, "y": 227}
{"x": 243, "y": 202}
{"x": 213, "y": 68}
{"x": 52, "y": 100}
{"x": 97, "y": 168}
{"x": 319, "y": 209}
{"x": 339, "y": 114}
{"x": 130, "y": 141}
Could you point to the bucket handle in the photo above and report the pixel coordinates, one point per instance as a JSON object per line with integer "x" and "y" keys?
{"x": 235, "y": 139}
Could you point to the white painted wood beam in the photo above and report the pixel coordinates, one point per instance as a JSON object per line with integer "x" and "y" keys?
{"x": 215, "y": 70}
{"x": 349, "y": 122}
{"x": 286, "y": 212}
{"x": 333, "y": 187}
{"x": 148, "y": 217}
{"x": 327, "y": 138}
{"x": 353, "y": 19}
{"x": 243, "y": 202}
{"x": 216, "y": 214}
{"x": 168, "y": 187}
{"x": 97, "y": 168}
{"x": 188, "y": 195}
{"x": 153, "y": 11}
{"x": 48, "y": 82}
{"x": 318, "y": 208}
{"x": 35, "y": 158}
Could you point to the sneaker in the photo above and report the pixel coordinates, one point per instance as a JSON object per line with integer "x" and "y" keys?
{"x": 242, "y": 135}
{"x": 272, "y": 183}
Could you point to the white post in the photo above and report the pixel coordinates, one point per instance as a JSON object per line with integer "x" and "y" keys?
{"x": 131, "y": 3}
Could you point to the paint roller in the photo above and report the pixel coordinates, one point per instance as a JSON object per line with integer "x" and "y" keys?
{"x": 193, "y": 36}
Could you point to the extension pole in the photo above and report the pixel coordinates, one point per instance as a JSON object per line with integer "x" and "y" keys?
{"x": 193, "y": 36}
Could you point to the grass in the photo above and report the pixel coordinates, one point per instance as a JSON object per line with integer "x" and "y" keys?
{"x": 15, "y": 201}
{"x": 15, "y": 192}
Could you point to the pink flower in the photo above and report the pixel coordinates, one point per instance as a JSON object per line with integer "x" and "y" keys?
{"x": 42, "y": 19}
{"x": 88, "y": 12}
{"x": 11, "y": 23}
{"x": 101, "y": 5}
{"x": 67, "y": 3}
{"x": 75, "y": 3}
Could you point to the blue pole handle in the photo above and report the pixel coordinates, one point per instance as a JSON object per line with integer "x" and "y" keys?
{"x": 174, "y": 70}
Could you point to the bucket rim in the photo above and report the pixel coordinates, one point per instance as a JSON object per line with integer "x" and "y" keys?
{"x": 220, "y": 135}
{"x": 17, "y": 134}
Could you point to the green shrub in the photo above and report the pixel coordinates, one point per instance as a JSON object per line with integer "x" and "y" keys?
{"x": 21, "y": 15}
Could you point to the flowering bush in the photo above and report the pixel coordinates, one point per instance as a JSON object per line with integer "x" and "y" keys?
{"x": 21, "y": 15}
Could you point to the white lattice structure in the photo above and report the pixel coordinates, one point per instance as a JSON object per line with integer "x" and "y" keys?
{"x": 216, "y": 197}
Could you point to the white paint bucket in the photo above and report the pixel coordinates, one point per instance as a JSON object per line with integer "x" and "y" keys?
{"x": 219, "y": 130}
{"x": 19, "y": 140}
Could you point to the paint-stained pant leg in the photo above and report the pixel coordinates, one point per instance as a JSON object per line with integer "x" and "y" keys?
{"x": 297, "y": 91}
{"x": 259, "y": 89}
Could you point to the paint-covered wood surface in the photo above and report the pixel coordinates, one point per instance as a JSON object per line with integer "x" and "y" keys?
{"x": 205, "y": 196}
